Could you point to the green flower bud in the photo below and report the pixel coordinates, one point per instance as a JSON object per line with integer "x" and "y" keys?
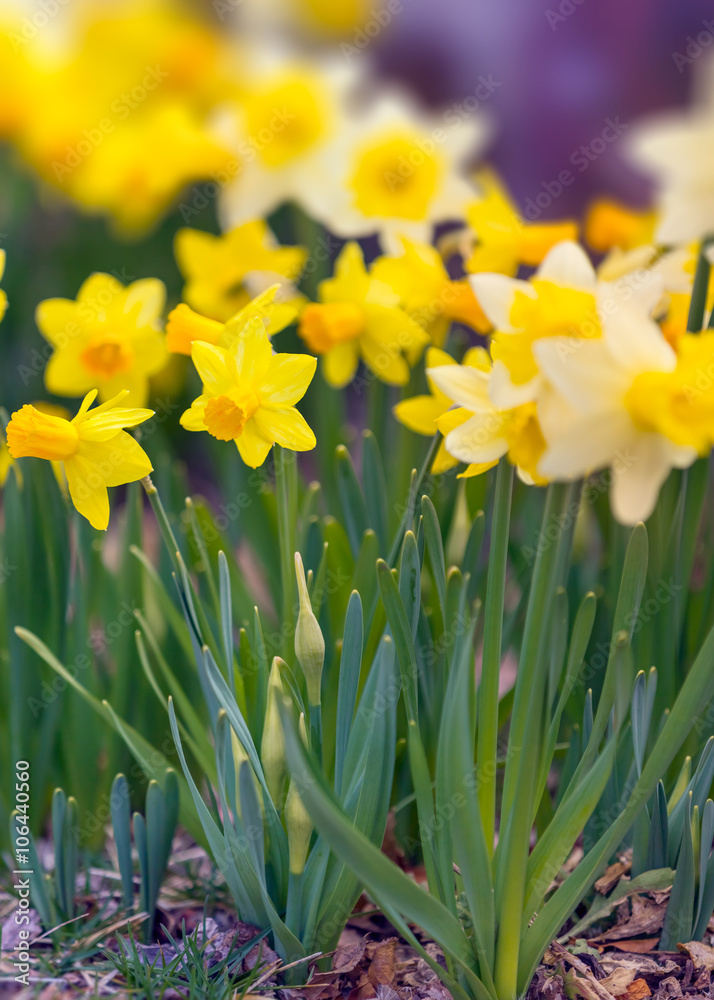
{"x": 297, "y": 821}
{"x": 309, "y": 641}
{"x": 272, "y": 747}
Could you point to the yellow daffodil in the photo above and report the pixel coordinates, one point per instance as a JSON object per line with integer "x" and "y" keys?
{"x": 359, "y": 317}
{"x": 559, "y": 300}
{"x": 136, "y": 172}
{"x": 115, "y": 110}
{"x": 421, "y": 413}
{"x": 478, "y": 432}
{"x": 185, "y": 326}
{"x": 609, "y": 224}
{"x": 627, "y": 402}
{"x": 93, "y": 448}
{"x": 3, "y": 296}
{"x": 280, "y": 129}
{"x": 501, "y": 239}
{"x": 249, "y": 395}
{"x": 216, "y": 267}
{"x": 6, "y": 461}
{"x": 108, "y": 338}
{"x": 396, "y": 172}
{"x": 427, "y": 292}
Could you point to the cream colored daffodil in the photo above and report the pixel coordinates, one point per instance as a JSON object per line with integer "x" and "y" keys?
{"x": 396, "y": 172}
{"x": 421, "y": 413}
{"x": 480, "y": 433}
{"x": 218, "y": 269}
{"x": 249, "y": 395}
{"x": 628, "y": 402}
{"x": 93, "y": 448}
{"x": 280, "y": 129}
{"x": 427, "y": 293}
{"x": 360, "y": 317}
{"x": 109, "y": 338}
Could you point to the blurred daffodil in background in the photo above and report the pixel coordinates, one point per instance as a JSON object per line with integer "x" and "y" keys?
{"x": 218, "y": 269}
{"x": 93, "y": 448}
{"x": 3, "y": 296}
{"x": 109, "y": 338}
{"x": 359, "y": 317}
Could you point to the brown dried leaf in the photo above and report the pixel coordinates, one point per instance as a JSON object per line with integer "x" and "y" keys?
{"x": 701, "y": 954}
{"x": 646, "y": 916}
{"x": 618, "y": 981}
{"x": 383, "y": 964}
{"x": 640, "y": 946}
{"x": 348, "y": 957}
{"x": 612, "y": 876}
{"x": 638, "y": 990}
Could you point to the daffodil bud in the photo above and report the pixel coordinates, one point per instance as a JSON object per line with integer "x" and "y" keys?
{"x": 272, "y": 747}
{"x": 309, "y": 641}
{"x": 297, "y": 821}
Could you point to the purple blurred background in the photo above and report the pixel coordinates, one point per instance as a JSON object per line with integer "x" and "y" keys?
{"x": 563, "y": 69}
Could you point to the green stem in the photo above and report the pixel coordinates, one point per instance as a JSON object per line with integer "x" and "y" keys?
{"x": 523, "y": 743}
{"x": 491, "y": 663}
{"x": 293, "y": 910}
{"x": 163, "y": 522}
{"x": 695, "y": 321}
{"x": 286, "y": 495}
{"x": 415, "y": 486}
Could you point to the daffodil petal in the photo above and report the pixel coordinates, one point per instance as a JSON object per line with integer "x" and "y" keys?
{"x": 287, "y": 378}
{"x": 58, "y": 321}
{"x": 252, "y": 446}
{"x": 463, "y": 385}
{"x": 192, "y": 419}
{"x": 88, "y": 492}
{"x": 340, "y": 364}
{"x": 286, "y": 427}
{"x": 117, "y": 461}
{"x": 252, "y": 350}
{"x": 568, "y": 265}
{"x": 215, "y": 368}
{"x": 104, "y": 425}
{"x": 386, "y": 361}
{"x": 420, "y": 413}
{"x": 148, "y": 297}
{"x": 478, "y": 440}
{"x": 496, "y": 294}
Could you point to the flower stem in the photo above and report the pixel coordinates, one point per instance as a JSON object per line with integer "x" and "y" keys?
{"x": 697, "y": 307}
{"x": 286, "y": 495}
{"x": 491, "y": 661}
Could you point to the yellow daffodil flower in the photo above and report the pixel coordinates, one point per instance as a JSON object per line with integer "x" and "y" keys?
{"x": 627, "y": 402}
{"x": 609, "y": 224}
{"x": 478, "y": 432}
{"x": 503, "y": 239}
{"x": 185, "y": 326}
{"x": 216, "y": 267}
{"x": 396, "y": 172}
{"x": 6, "y": 462}
{"x": 559, "y": 300}
{"x": 93, "y": 448}
{"x": 136, "y": 172}
{"x": 359, "y": 317}
{"x": 427, "y": 292}
{"x": 109, "y": 338}
{"x": 421, "y": 413}
{"x": 249, "y": 395}
{"x": 3, "y": 296}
